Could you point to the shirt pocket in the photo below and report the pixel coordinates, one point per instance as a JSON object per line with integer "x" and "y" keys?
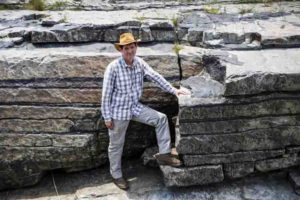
{"x": 139, "y": 78}
{"x": 123, "y": 84}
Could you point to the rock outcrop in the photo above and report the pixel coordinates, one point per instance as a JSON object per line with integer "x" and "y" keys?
{"x": 241, "y": 126}
{"x": 242, "y": 116}
{"x": 50, "y": 110}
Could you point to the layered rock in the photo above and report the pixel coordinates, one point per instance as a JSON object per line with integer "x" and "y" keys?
{"x": 242, "y": 117}
{"x": 246, "y": 128}
{"x": 50, "y": 109}
{"x": 259, "y": 27}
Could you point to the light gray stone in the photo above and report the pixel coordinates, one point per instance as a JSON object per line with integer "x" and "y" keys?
{"x": 46, "y": 125}
{"x": 271, "y": 71}
{"x": 191, "y": 60}
{"x": 46, "y": 112}
{"x": 75, "y": 62}
{"x": 257, "y": 106}
{"x": 194, "y": 160}
{"x": 188, "y": 176}
{"x": 238, "y": 170}
{"x": 277, "y": 163}
{"x": 258, "y": 82}
{"x": 237, "y": 125}
{"x": 145, "y": 34}
{"x": 203, "y": 86}
{"x": 260, "y": 139}
{"x": 194, "y": 36}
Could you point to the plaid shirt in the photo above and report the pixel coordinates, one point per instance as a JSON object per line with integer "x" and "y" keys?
{"x": 123, "y": 86}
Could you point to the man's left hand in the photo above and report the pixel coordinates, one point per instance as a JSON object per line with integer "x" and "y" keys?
{"x": 181, "y": 92}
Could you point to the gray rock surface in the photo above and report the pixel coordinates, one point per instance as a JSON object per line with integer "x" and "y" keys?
{"x": 279, "y": 163}
{"x": 260, "y": 139}
{"x": 270, "y": 71}
{"x": 50, "y": 109}
{"x": 242, "y": 115}
{"x": 238, "y": 170}
{"x": 193, "y": 23}
{"x": 188, "y": 176}
{"x": 233, "y": 108}
{"x": 294, "y": 178}
{"x": 194, "y": 160}
{"x": 147, "y": 183}
{"x": 249, "y": 127}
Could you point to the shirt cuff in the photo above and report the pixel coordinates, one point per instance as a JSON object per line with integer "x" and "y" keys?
{"x": 173, "y": 91}
{"x": 107, "y": 119}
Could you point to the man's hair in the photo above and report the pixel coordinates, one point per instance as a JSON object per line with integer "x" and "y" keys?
{"x": 121, "y": 46}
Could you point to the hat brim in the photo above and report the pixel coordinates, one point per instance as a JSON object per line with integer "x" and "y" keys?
{"x": 118, "y": 45}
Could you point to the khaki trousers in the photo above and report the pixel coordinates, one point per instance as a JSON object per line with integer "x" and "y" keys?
{"x": 117, "y": 136}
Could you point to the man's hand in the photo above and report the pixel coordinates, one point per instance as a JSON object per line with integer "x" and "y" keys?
{"x": 182, "y": 92}
{"x": 109, "y": 124}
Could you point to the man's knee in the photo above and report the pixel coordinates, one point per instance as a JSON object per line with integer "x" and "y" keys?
{"x": 163, "y": 118}
{"x": 114, "y": 146}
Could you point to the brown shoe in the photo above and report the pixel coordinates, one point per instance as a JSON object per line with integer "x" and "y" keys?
{"x": 121, "y": 183}
{"x": 168, "y": 159}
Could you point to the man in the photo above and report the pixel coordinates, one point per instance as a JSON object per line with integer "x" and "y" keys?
{"x": 122, "y": 89}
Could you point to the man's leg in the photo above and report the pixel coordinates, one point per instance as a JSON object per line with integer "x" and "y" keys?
{"x": 115, "y": 148}
{"x": 160, "y": 122}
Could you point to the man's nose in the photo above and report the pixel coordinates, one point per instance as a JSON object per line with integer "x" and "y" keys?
{"x": 130, "y": 51}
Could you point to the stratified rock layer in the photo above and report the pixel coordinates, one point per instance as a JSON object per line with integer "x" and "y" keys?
{"x": 251, "y": 125}
{"x": 242, "y": 117}
{"x": 50, "y": 109}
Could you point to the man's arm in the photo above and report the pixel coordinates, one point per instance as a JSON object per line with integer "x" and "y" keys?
{"x": 107, "y": 89}
{"x": 158, "y": 79}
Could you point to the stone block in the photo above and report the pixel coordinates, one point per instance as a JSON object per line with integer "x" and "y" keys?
{"x": 188, "y": 176}
{"x": 294, "y": 177}
{"x": 237, "y": 125}
{"x": 260, "y": 139}
{"x": 277, "y": 163}
{"x": 260, "y": 106}
{"x": 236, "y": 157}
{"x": 238, "y": 170}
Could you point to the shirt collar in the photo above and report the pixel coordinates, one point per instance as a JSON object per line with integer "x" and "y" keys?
{"x": 124, "y": 64}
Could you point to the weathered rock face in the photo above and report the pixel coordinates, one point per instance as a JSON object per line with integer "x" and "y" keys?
{"x": 260, "y": 27}
{"x": 195, "y": 175}
{"x": 242, "y": 116}
{"x": 246, "y": 128}
{"x": 50, "y": 110}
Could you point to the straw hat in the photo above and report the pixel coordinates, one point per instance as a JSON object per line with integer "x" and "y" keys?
{"x": 125, "y": 38}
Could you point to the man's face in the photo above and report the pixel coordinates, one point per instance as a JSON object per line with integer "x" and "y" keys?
{"x": 128, "y": 51}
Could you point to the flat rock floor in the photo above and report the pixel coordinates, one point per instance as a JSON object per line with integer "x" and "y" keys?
{"x": 147, "y": 183}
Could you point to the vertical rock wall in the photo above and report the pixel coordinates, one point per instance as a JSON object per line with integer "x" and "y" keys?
{"x": 249, "y": 123}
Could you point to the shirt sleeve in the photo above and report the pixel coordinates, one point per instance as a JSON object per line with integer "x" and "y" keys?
{"x": 155, "y": 77}
{"x": 107, "y": 89}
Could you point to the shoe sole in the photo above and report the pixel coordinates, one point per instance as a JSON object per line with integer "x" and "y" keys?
{"x": 165, "y": 163}
{"x": 172, "y": 165}
{"x": 122, "y": 188}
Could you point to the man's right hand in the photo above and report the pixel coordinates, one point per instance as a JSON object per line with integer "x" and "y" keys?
{"x": 109, "y": 124}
